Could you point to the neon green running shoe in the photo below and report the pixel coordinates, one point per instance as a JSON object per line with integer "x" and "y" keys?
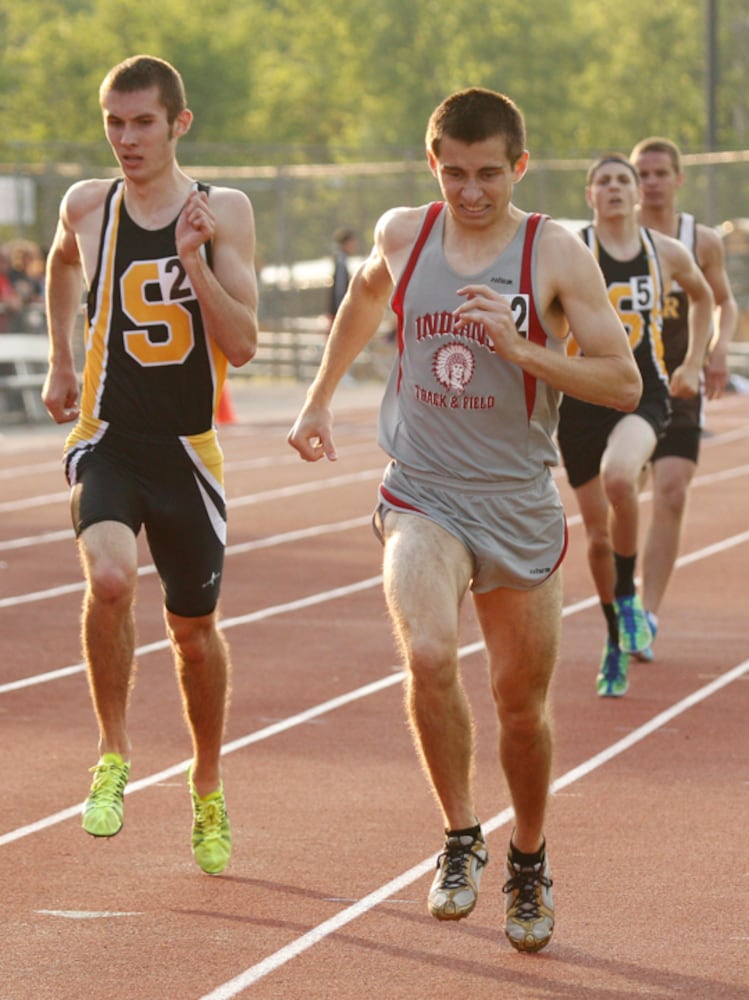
{"x": 211, "y": 833}
{"x": 635, "y": 633}
{"x": 612, "y": 680}
{"x": 102, "y": 812}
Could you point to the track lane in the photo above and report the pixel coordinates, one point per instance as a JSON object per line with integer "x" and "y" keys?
{"x": 328, "y": 810}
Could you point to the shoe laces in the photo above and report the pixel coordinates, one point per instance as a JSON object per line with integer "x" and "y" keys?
{"x": 209, "y": 817}
{"x": 454, "y": 859}
{"x": 526, "y": 882}
{"x": 109, "y": 781}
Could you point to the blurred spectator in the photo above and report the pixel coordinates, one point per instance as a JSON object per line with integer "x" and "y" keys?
{"x": 26, "y": 274}
{"x": 11, "y": 302}
{"x": 345, "y": 245}
{"x": 27, "y": 270}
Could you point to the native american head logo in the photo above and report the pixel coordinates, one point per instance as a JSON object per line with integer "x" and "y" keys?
{"x": 453, "y": 367}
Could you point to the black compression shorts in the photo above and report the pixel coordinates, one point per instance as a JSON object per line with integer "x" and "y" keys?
{"x": 172, "y": 487}
{"x": 584, "y": 431}
{"x": 679, "y": 442}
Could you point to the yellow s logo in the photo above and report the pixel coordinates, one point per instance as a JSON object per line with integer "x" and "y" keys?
{"x": 153, "y": 293}
{"x": 631, "y": 299}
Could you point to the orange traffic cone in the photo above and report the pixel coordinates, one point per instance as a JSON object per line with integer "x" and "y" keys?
{"x": 225, "y": 413}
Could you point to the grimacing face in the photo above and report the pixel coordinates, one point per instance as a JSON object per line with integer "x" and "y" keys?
{"x": 476, "y": 179}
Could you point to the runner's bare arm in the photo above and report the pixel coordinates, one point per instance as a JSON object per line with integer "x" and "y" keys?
{"x": 356, "y": 322}
{"x": 711, "y": 258}
{"x": 679, "y": 265}
{"x": 227, "y": 294}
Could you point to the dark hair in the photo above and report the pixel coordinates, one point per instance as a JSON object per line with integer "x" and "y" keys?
{"x": 610, "y": 158}
{"x": 657, "y": 144}
{"x": 142, "y": 73}
{"x": 343, "y": 235}
{"x": 476, "y": 114}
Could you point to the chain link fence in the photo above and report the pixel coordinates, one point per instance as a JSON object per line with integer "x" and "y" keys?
{"x": 299, "y": 206}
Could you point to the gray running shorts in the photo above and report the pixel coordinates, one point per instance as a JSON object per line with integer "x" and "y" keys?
{"x": 516, "y": 534}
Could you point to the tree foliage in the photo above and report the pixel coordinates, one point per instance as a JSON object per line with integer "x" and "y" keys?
{"x": 338, "y": 79}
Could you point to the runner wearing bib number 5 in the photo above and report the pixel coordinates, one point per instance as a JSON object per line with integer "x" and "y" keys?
{"x": 172, "y": 301}
{"x": 604, "y": 451}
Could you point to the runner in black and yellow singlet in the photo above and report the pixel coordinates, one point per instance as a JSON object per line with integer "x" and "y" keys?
{"x": 172, "y": 301}
{"x": 673, "y": 464}
{"x": 151, "y": 384}
{"x": 150, "y": 366}
{"x": 636, "y": 292}
{"x": 604, "y": 451}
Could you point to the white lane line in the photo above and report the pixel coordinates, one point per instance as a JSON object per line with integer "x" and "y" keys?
{"x": 88, "y": 914}
{"x": 41, "y": 500}
{"x": 271, "y": 963}
{"x": 32, "y": 596}
{"x": 245, "y": 500}
{"x": 253, "y": 616}
{"x": 304, "y": 602}
{"x": 46, "y": 538}
{"x": 63, "y": 590}
{"x": 396, "y": 676}
{"x": 49, "y": 537}
{"x": 313, "y": 486}
{"x": 709, "y": 440}
{"x": 268, "y": 541}
{"x": 16, "y": 471}
{"x": 230, "y": 465}
{"x": 281, "y": 492}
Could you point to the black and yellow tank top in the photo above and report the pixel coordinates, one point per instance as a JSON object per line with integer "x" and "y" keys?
{"x": 635, "y": 289}
{"x": 676, "y": 304}
{"x": 150, "y": 366}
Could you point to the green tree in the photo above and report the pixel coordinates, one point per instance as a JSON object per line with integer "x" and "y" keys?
{"x": 56, "y": 55}
{"x": 285, "y": 80}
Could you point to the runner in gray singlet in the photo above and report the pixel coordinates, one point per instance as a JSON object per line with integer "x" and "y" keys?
{"x": 484, "y": 295}
{"x": 456, "y": 416}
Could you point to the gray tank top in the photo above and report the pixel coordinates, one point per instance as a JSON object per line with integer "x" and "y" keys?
{"x": 455, "y": 413}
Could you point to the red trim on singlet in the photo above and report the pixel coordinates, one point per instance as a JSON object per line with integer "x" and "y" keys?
{"x": 535, "y": 330}
{"x": 430, "y": 218}
{"x": 562, "y": 554}
{"x": 396, "y": 501}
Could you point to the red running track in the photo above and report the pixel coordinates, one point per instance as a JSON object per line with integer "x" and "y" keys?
{"x": 335, "y": 830}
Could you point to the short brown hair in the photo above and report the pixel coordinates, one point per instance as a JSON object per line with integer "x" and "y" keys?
{"x": 142, "y": 73}
{"x": 476, "y": 114}
{"x": 609, "y": 158}
{"x": 657, "y": 144}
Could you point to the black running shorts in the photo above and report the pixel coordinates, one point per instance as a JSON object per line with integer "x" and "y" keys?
{"x": 172, "y": 487}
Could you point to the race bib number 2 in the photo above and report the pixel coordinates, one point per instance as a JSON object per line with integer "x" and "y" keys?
{"x": 519, "y": 307}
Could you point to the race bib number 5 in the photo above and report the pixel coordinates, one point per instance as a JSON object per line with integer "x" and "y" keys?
{"x": 632, "y": 300}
